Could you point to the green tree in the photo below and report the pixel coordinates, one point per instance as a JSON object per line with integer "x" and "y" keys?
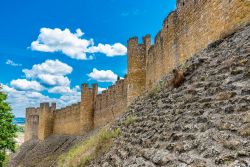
{"x": 7, "y": 128}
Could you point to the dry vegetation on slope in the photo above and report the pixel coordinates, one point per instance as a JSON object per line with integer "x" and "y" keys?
{"x": 83, "y": 153}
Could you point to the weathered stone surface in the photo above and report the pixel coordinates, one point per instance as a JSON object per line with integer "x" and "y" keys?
{"x": 203, "y": 123}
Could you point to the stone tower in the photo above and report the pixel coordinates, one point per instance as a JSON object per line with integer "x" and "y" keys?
{"x": 46, "y": 120}
{"x": 137, "y": 55}
{"x": 88, "y": 97}
{"x": 32, "y": 122}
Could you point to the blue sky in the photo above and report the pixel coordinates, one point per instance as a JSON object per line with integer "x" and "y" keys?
{"x": 49, "y": 47}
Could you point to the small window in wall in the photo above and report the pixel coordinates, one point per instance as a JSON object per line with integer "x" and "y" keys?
{"x": 183, "y": 3}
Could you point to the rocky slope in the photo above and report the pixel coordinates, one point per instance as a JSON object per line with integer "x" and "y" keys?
{"x": 205, "y": 122}
{"x": 42, "y": 153}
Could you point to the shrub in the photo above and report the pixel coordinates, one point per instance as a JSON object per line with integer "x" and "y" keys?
{"x": 129, "y": 120}
{"x": 7, "y": 128}
{"x": 156, "y": 89}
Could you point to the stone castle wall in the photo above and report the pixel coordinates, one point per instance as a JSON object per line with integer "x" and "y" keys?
{"x": 110, "y": 104}
{"x": 194, "y": 25}
{"x": 92, "y": 112}
{"x": 67, "y": 120}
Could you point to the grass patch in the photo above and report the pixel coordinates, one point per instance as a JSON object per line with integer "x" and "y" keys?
{"x": 156, "y": 89}
{"x": 82, "y": 154}
{"x": 129, "y": 120}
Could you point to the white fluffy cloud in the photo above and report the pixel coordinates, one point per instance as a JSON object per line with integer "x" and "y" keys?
{"x": 68, "y": 95}
{"x": 54, "y": 67}
{"x": 102, "y": 75}
{"x": 51, "y": 72}
{"x": 48, "y": 76}
{"x": 72, "y": 45}
{"x": 20, "y": 100}
{"x": 23, "y": 84}
{"x": 60, "y": 90}
{"x": 54, "y": 80}
{"x": 12, "y": 63}
{"x": 101, "y": 89}
{"x": 70, "y": 98}
{"x": 109, "y": 50}
{"x": 63, "y": 89}
{"x": 55, "y": 40}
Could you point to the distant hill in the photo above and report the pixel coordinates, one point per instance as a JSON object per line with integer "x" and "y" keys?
{"x": 19, "y": 120}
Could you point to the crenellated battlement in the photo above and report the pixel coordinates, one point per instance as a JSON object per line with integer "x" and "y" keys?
{"x": 133, "y": 42}
{"x": 32, "y": 111}
{"x": 190, "y": 28}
